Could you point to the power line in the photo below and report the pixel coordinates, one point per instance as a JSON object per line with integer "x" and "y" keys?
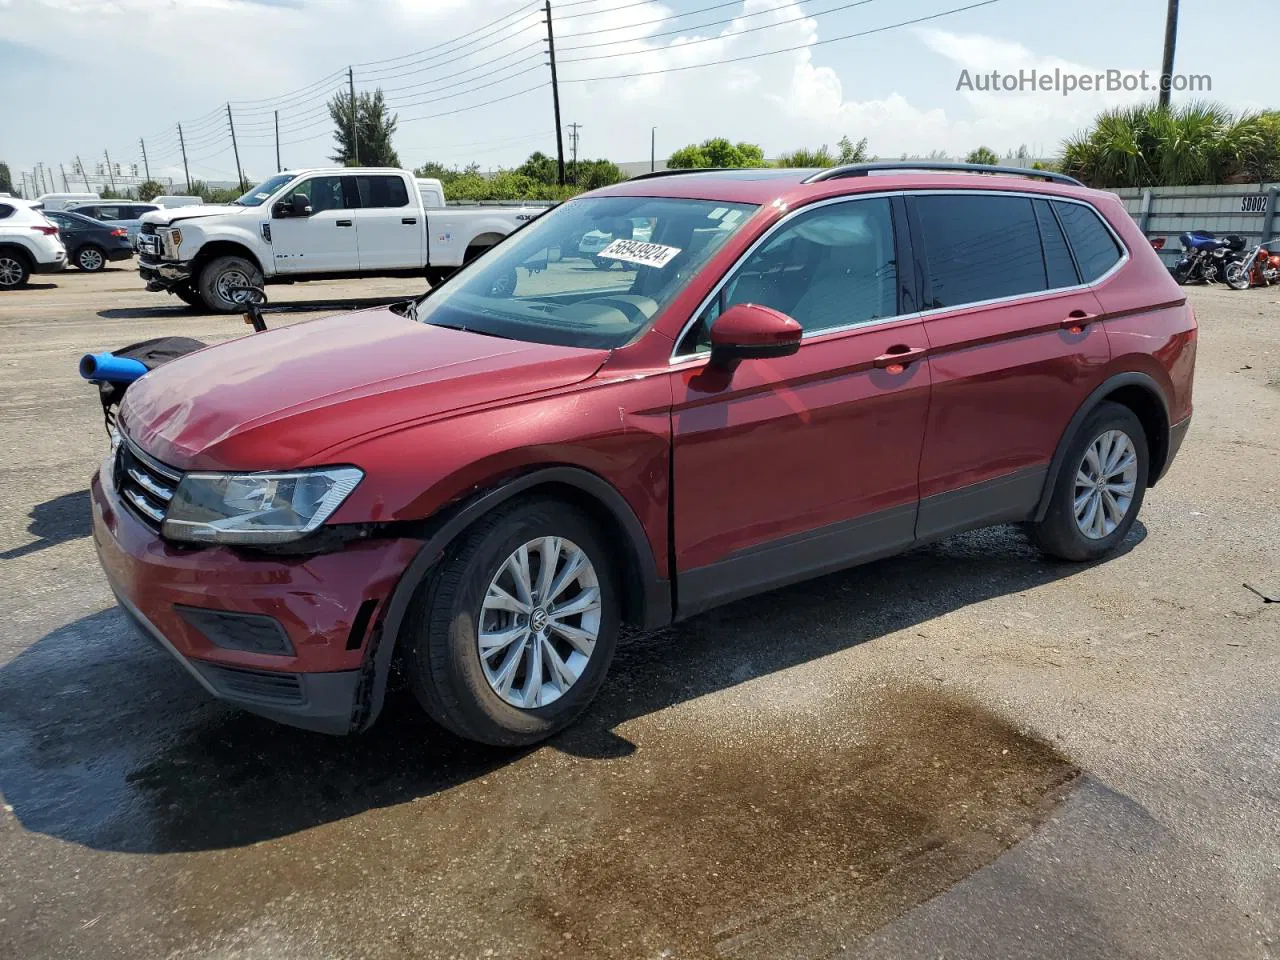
{"x": 717, "y": 23}
{"x": 450, "y": 113}
{"x": 646, "y": 23}
{"x": 398, "y": 72}
{"x": 408, "y": 56}
{"x": 770, "y": 53}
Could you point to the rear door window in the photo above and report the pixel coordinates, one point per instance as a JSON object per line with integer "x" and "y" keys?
{"x": 1057, "y": 256}
{"x": 1095, "y": 248}
{"x": 979, "y": 247}
{"x": 382, "y": 192}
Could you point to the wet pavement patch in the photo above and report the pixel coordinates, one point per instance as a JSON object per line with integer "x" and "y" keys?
{"x": 766, "y": 843}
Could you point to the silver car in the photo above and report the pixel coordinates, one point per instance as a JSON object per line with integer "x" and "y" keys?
{"x": 122, "y": 213}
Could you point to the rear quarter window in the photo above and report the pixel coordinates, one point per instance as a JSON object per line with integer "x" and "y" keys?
{"x": 1095, "y": 248}
{"x": 979, "y": 247}
{"x": 5, "y": 211}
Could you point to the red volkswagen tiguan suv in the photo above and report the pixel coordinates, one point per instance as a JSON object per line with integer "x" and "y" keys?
{"x": 776, "y": 374}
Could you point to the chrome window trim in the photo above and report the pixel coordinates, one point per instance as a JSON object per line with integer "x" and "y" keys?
{"x": 675, "y": 359}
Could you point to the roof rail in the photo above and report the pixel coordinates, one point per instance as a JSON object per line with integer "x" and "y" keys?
{"x": 863, "y": 169}
{"x": 674, "y": 172}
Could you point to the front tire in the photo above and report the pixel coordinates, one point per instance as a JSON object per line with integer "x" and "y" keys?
{"x": 1236, "y": 276}
{"x": 219, "y": 275}
{"x": 91, "y": 259}
{"x": 510, "y": 639}
{"x": 1099, "y": 490}
{"x": 187, "y": 295}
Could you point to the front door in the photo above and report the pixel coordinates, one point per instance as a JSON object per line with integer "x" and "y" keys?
{"x": 391, "y": 232}
{"x": 325, "y": 241}
{"x": 1015, "y": 344}
{"x": 795, "y": 466}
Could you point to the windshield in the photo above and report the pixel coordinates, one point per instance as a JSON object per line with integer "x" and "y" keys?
{"x": 590, "y": 273}
{"x": 263, "y": 191}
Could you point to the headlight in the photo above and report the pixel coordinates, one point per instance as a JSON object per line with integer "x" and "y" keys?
{"x": 251, "y": 508}
{"x": 171, "y": 237}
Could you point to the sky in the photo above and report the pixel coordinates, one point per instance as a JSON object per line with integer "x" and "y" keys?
{"x": 101, "y": 75}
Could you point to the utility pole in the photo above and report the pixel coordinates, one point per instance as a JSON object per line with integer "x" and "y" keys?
{"x": 355, "y": 119}
{"x": 235, "y": 148}
{"x": 555, "y": 95}
{"x": 145, "y": 165}
{"x": 573, "y": 136}
{"x": 653, "y": 149}
{"x": 65, "y": 186}
{"x": 1170, "y": 41}
{"x": 278, "y": 166}
{"x": 111, "y": 176}
{"x": 183, "y": 144}
{"x": 84, "y": 173}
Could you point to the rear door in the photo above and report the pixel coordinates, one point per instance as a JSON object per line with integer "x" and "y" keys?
{"x": 1014, "y": 351}
{"x": 325, "y": 241}
{"x": 391, "y": 233}
{"x": 793, "y": 466}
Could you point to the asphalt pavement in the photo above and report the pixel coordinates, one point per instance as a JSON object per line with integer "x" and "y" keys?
{"x": 966, "y": 751}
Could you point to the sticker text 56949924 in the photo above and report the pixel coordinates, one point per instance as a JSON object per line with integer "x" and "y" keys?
{"x": 635, "y": 251}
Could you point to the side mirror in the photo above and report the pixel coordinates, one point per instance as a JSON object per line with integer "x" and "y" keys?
{"x": 281, "y": 209}
{"x": 301, "y": 205}
{"x": 747, "y": 331}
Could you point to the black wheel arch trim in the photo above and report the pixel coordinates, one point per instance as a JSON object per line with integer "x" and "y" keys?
{"x": 1113, "y": 383}
{"x": 655, "y": 599}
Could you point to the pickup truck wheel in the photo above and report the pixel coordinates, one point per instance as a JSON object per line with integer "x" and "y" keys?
{"x": 510, "y": 639}
{"x": 187, "y": 294}
{"x": 14, "y": 270}
{"x": 1099, "y": 489}
{"x": 602, "y": 263}
{"x": 219, "y": 276}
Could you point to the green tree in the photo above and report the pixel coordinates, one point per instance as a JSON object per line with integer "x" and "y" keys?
{"x": 541, "y": 168}
{"x": 149, "y": 190}
{"x": 716, "y": 152}
{"x": 851, "y": 152}
{"x": 6, "y": 178}
{"x": 375, "y": 125}
{"x": 985, "y": 156}
{"x": 807, "y": 158}
{"x": 593, "y": 174}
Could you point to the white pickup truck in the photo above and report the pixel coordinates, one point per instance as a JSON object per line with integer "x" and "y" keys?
{"x": 322, "y": 224}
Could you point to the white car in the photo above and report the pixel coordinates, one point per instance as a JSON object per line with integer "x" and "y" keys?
{"x": 323, "y": 224}
{"x": 29, "y": 244}
{"x": 595, "y": 241}
{"x": 61, "y": 201}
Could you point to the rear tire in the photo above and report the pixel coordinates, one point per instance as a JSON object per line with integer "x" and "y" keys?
{"x": 15, "y": 270}
{"x": 224, "y": 272}
{"x": 1098, "y": 491}
{"x": 461, "y": 688}
{"x": 91, "y": 258}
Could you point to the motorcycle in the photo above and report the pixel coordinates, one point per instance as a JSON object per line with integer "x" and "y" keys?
{"x": 1255, "y": 270}
{"x": 1205, "y": 257}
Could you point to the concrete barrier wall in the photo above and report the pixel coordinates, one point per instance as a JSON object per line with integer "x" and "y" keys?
{"x": 1247, "y": 209}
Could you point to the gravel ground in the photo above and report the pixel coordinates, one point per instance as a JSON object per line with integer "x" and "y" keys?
{"x": 967, "y": 751}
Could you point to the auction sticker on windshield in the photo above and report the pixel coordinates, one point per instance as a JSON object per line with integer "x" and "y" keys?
{"x": 634, "y": 251}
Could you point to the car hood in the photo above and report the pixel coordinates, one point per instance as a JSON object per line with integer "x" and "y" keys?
{"x": 283, "y": 398}
{"x": 164, "y": 217}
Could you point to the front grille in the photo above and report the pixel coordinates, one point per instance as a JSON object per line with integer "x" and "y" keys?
{"x": 145, "y": 485}
{"x": 148, "y": 229}
{"x": 264, "y": 686}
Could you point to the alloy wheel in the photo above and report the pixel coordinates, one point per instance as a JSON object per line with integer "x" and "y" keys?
{"x": 90, "y": 259}
{"x": 539, "y": 622}
{"x": 1105, "y": 483}
{"x": 10, "y": 272}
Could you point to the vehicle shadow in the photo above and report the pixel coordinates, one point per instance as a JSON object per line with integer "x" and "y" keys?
{"x": 55, "y": 521}
{"x": 176, "y": 308}
{"x": 38, "y": 286}
{"x": 105, "y": 742}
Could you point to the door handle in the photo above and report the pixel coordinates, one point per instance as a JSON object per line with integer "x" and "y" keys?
{"x": 409, "y": 221}
{"x": 343, "y": 223}
{"x": 1077, "y": 320}
{"x": 899, "y": 357}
